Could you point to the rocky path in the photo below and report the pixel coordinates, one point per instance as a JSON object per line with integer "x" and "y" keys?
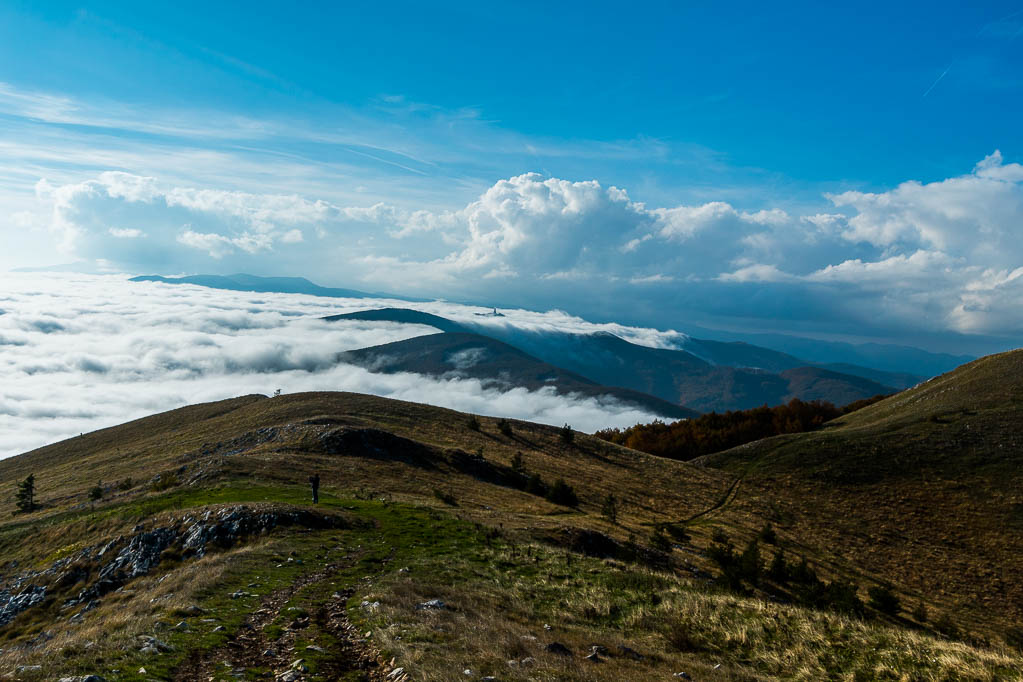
{"x": 251, "y": 648}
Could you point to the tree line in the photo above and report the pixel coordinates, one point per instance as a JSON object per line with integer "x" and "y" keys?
{"x": 690, "y": 438}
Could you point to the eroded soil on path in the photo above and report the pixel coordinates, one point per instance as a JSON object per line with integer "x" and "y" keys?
{"x": 252, "y": 651}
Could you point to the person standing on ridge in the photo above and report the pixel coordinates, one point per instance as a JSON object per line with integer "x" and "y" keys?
{"x": 314, "y": 481}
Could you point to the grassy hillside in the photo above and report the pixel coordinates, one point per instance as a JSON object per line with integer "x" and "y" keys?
{"x": 432, "y": 550}
{"x": 923, "y": 487}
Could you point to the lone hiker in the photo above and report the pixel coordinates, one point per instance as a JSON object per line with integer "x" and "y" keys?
{"x": 314, "y": 481}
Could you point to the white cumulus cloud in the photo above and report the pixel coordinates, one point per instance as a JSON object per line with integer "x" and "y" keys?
{"x": 948, "y": 246}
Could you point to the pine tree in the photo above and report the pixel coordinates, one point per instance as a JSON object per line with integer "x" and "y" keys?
{"x": 535, "y": 485}
{"x": 25, "y": 497}
{"x": 779, "y": 570}
{"x": 567, "y": 434}
{"x": 660, "y": 541}
{"x": 767, "y": 535}
{"x": 609, "y": 510}
{"x": 749, "y": 562}
{"x": 562, "y": 493}
{"x": 884, "y": 599}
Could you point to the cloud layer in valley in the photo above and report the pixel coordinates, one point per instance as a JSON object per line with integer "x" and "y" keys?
{"x": 939, "y": 257}
{"x": 82, "y": 352}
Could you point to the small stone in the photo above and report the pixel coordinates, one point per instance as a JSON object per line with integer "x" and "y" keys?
{"x": 593, "y": 658}
{"x": 467, "y": 672}
{"x": 432, "y": 604}
{"x": 142, "y": 671}
{"x": 528, "y": 660}
{"x": 299, "y": 665}
{"x": 181, "y": 626}
{"x": 162, "y": 647}
{"x": 395, "y": 674}
{"x": 683, "y": 676}
{"x": 547, "y": 627}
{"x": 317, "y": 649}
{"x": 219, "y": 628}
{"x": 598, "y": 649}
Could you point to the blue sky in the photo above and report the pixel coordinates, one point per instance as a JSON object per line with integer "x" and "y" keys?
{"x": 739, "y": 167}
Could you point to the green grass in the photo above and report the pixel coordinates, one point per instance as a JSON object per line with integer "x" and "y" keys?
{"x": 494, "y": 559}
{"x": 501, "y": 589}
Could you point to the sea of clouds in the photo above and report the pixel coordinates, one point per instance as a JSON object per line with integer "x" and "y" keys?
{"x": 82, "y": 352}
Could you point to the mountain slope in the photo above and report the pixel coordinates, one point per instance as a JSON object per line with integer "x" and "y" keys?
{"x": 480, "y": 357}
{"x": 427, "y": 552}
{"x": 899, "y": 380}
{"x": 745, "y": 355}
{"x": 404, "y": 316}
{"x": 923, "y": 487}
{"x": 879, "y": 356}
{"x": 739, "y": 354}
{"x": 815, "y": 383}
{"x": 675, "y": 376}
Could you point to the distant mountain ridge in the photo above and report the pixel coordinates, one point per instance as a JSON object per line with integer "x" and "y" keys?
{"x": 676, "y": 376}
{"x": 885, "y": 357}
{"x": 459, "y": 354}
{"x": 404, "y": 316}
{"x": 278, "y": 285}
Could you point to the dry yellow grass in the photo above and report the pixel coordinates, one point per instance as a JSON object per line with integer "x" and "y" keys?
{"x": 269, "y": 447}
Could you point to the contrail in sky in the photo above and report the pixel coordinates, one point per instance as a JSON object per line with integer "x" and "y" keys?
{"x": 937, "y": 80}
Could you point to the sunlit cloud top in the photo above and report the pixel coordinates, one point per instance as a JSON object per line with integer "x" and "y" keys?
{"x": 658, "y": 168}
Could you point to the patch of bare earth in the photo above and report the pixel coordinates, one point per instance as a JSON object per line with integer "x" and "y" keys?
{"x": 250, "y": 648}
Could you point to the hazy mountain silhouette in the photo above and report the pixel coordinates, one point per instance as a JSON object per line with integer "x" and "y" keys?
{"x": 480, "y": 357}
{"x": 676, "y": 376}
